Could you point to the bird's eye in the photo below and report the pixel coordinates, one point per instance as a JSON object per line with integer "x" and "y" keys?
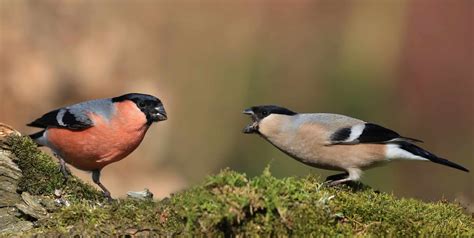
{"x": 141, "y": 104}
{"x": 264, "y": 113}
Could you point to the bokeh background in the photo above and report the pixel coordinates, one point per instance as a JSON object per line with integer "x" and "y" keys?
{"x": 407, "y": 65}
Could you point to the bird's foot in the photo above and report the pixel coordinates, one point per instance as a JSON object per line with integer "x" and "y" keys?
{"x": 351, "y": 184}
{"x": 96, "y": 179}
{"x": 108, "y": 196}
{"x": 62, "y": 166}
{"x": 336, "y": 177}
{"x": 64, "y": 170}
{"x": 345, "y": 179}
{"x": 332, "y": 183}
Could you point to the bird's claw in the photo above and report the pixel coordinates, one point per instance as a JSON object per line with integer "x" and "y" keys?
{"x": 108, "y": 196}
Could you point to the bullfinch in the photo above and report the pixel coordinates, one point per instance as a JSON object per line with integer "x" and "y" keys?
{"x": 335, "y": 142}
{"x": 92, "y": 134}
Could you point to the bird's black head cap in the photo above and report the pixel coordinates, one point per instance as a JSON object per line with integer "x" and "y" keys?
{"x": 258, "y": 113}
{"x": 263, "y": 111}
{"x": 150, "y": 105}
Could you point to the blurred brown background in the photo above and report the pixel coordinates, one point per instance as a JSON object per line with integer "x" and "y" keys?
{"x": 407, "y": 65}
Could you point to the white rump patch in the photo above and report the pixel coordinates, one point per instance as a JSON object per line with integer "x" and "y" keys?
{"x": 356, "y": 131}
{"x": 395, "y": 152}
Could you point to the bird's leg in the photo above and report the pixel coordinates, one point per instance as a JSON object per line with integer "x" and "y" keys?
{"x": 353, "y": 174}
{"x": 96, "y": 179}
{"x": 62, "y": 166}
{"x": 336, "y": 182}
{"x": 335, "y": 177}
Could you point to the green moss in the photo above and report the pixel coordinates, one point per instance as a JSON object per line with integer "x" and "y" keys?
{"x": 120, "y": 217}
{"x": 231, "y": 203}
{"x": 41, "y": 174}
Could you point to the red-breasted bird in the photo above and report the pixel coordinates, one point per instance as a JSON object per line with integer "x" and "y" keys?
{"x": 335, "y": 142}
{"x": 92, "y": 134}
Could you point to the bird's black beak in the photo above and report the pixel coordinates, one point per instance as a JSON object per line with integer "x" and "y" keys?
{"x": 160, "y": 114}
{"x": 251, "y": 128}
{"x": 248, "y": 111}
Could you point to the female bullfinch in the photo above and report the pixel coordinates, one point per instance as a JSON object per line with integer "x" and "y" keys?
{"x": 335, "y": 142}
{"x": 93, "y": 134}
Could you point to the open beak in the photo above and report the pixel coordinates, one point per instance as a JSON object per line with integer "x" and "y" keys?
{"x": 248, "y": 111}
{"x": 161, "y": 113}
{"x": 251, "y": 128}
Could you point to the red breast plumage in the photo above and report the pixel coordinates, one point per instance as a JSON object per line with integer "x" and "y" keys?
{"x": 93, "y": 134}
{"x": 106, "y": 142}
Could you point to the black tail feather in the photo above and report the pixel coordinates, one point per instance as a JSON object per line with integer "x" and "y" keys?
{"x": 425, "y": 154}
{"x": 448, "y": 163}
{"x": 409, "y": 139}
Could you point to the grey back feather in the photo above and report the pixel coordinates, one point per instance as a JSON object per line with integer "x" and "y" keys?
{"x": 341, "y": 129}
{"x": 330, "y": 121}
{"x": 102, "y": 107}
{"x": 76, "y": 116}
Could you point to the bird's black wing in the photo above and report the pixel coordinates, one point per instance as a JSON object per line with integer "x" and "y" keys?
{"x": 367, "y": 133}
{"x": 63, "y": 118}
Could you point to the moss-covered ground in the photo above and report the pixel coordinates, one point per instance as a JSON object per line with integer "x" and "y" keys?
{"x": 230, "y": 203}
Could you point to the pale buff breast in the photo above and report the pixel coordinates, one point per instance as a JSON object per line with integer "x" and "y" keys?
{"x": 309, "y": 144}
{"x": 106, "y": 142}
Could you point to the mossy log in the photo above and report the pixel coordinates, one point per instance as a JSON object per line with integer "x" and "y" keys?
{"x": 10, "y": 198}
{"x": 36, "y": 200}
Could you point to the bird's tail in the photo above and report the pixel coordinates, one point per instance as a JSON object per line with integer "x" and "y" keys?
{"x": 36, "y": 136}
{"x": 432, "y": 157}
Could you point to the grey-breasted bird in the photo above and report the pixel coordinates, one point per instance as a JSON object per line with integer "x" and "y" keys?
{"x": 335, "y": 142}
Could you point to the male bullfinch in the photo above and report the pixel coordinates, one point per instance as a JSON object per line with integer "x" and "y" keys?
{"x": 92, "y": 134}
{"x": 335, "y": 142}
